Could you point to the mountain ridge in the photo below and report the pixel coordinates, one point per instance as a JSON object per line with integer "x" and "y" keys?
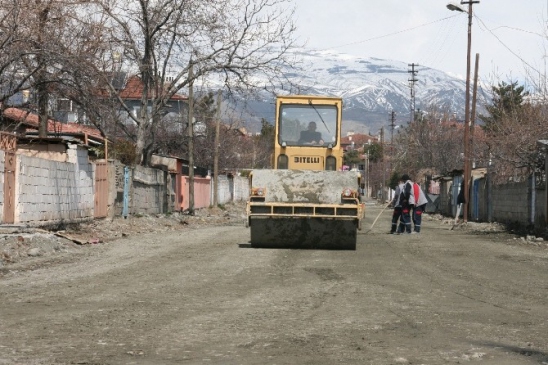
{"x": 371, "y": 89}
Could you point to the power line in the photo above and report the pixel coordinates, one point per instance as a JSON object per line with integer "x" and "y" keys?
{"x": 440, "y": 45}
{"x": 390, "y": 34}
{"x": 505, "y": 46}
{"x": 514, "y": 28}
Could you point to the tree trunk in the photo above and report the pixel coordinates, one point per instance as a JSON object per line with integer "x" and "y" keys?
{"x": 43, "y": 100}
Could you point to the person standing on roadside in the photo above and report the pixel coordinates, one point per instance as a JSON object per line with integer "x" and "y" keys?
{"x": 396, "y": 204}
{"x": 460, "y": 200}
{"x": 418, "y": 208}
{"x": 407, "y": 204}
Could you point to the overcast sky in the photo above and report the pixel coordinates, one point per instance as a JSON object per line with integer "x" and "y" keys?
{"x": 509, "y": 35}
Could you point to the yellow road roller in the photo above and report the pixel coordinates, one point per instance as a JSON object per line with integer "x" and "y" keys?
{"x": 306, "y": 200}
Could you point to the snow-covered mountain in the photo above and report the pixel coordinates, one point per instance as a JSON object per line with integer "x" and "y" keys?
{"x": 371, "y": 89}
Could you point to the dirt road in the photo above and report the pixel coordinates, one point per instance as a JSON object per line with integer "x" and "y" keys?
{"x": 203, "y": 296}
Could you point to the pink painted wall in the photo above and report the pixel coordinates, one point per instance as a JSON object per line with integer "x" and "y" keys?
{"x": 202, "y": 192}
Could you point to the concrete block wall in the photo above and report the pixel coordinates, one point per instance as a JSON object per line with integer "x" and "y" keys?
{"x": 540, "y": 208}
{"x": 511, "y": 202}
{"x": 171, "y": 186}
{"x": 445, "y": 204}
{"x": 2, "y": 166}
{"x": 231, "y": 189}
{"x": 483, "y": 213}
{"x": 149, "y": 193}
{"x": 152, "y": 190}
{"x": 52, "y": 191}
{"x": 112, "y": 181}
{"x": 241, "y": 188}
{"x": 224, "y": 189}
{"x": 116, "y": 173}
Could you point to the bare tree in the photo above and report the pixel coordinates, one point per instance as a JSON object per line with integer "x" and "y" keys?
{"x": 13, "y": 17}
{"x": 506, "y": 141}
{"x": 433, "y": 142}
{"x": 80, "y": 61}
{"x": 160, "y": 40}
{"x": 51, "y": 49}
{"x": 513, "y": 143}
{"x": 512, "y": 128}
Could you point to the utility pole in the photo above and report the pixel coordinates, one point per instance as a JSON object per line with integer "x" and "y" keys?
{"x": 383, "y": 167}
{"x": 365, "y": 171}
{"x": 216, "y": 149}
{"x": 412, "y": 81}
{"x": 392, "y": 126}
{"x": 467, "y": 124}
{"x": 191, "y": 141}
{"x": 467, "y": 170}
{"x": 473, "y": 112}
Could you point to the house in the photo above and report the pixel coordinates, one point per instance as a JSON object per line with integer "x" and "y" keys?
{"x": 25, "y": 125}
{"x": 130, "y": 91}
{"x": 66, "y": 113}
{"x": 357, "y": 141}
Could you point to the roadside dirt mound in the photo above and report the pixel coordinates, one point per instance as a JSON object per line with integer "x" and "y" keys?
{"x": 110, "y": 229}
{"x": 38, "y": 246}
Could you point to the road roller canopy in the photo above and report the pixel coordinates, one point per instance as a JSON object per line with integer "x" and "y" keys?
{"x": 308, "y": 121}
{"x": 308, "y": 132}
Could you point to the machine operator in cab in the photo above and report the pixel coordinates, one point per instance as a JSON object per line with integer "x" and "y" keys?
{"x": 310, "y": 136}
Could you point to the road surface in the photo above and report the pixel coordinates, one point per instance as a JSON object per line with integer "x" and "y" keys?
{"x": 204, "y": 296}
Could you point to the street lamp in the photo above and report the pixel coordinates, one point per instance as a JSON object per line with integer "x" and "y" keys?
{"x": 467, "y": 171}
{"x": 455, "y": 7}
